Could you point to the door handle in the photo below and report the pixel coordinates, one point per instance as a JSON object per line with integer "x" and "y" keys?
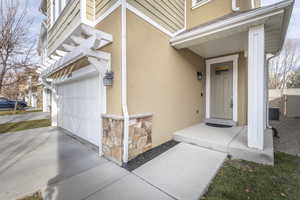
{"x": 231, "y": 103}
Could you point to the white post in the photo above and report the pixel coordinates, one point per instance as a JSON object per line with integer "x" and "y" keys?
{"x": 44, "y": 99}
{"x": 256, "y": 87}
{"x": 54, "y": 109}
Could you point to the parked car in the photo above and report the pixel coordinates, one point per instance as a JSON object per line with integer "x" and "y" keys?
{"x": 10, "y": 104}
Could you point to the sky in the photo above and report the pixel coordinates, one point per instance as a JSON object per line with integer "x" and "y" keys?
{"x": 293, "y": 32}
{"x": 294, "y": 27}
{"x": 33, "y": 8}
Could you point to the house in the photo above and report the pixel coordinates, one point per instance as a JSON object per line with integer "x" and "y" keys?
{"x": 286, "y": 100}
{"x": 42, "y": 52}
{"x": 126, "y": 75}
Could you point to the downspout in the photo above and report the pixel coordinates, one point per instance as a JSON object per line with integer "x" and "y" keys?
{"x": 124, "y": 81}
{"x": 234, "y": 6}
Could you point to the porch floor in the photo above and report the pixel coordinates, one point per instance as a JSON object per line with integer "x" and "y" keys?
{"x": 232, "y": 141}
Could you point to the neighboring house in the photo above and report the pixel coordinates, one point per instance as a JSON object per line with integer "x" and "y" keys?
{"x": 27, "y": 88}
{"x": 287, "y": 100}
{"x": 125, "y": 75}
{"x": 42, "y": 52}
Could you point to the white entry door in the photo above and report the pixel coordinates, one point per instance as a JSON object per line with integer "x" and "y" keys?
{"x": 222, "y": 90}
{"x": 79, "y": 108}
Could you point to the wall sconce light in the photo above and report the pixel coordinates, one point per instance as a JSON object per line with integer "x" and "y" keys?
{"x": 199, "y": 76}
{"x": 108, "y": 79}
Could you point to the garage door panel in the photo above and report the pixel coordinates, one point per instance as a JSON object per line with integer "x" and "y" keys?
{"x": 80, "y": 108}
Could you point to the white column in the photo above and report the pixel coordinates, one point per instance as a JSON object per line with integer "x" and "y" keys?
{"x": 54, "y": 109}
{"x": 45, "y": 100}
{"x": 256, "y": 87}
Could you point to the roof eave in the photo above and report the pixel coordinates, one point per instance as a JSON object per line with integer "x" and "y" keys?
{"x": 286, "y": 6}
{"x": 286, "y": 21}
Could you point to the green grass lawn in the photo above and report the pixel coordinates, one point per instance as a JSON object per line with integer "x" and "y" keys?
{"x": 242, "y": 180}
{"x": 11, "y": 112}
{"x": 24, "y": 125}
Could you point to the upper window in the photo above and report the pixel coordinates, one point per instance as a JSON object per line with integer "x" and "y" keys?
{"x": 198, "y": 3}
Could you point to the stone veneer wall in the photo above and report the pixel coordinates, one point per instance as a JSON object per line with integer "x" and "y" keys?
{"x": 140, "y": 136}
{"x": 112, "y": 139}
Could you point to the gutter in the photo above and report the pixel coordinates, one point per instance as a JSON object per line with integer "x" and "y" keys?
{"x": 124, "y": 81}
{"x": 267, "y": 99}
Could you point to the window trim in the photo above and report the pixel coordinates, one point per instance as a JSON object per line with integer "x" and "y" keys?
{"x": 196, "y": 4}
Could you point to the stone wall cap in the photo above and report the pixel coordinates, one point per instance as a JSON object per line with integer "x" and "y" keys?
{"x": 120, "y": 117}
{"x": 111, "y": 116}
{"x": 140, "y": 115}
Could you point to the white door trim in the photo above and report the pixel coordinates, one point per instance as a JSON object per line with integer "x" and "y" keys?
{"x": 209, "y": 62}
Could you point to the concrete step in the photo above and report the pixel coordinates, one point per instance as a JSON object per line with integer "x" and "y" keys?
{"x": 232, "y": 141}
{"x": 208, "y": 137}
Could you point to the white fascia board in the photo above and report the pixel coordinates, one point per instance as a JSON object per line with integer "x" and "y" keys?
{"x": 97, "y": 33}
{"x": 233, "y": 22}
{"x": 108, "y": 12}
{"x": 201, "y": 34}
{"x": 149, "y": 20}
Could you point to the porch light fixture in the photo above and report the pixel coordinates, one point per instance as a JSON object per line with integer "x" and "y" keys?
{"x": 199, "y": 76}
{"x": 108, "y": 78}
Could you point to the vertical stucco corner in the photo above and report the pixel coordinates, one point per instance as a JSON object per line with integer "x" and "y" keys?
{"x": 242, "y": 89}
{"x": 112, "y": 25}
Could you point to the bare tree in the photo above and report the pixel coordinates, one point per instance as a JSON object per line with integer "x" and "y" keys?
{"x": 283, "y": 67}
{"x": 16, "y": 42}
{"x": 294, "y": 82}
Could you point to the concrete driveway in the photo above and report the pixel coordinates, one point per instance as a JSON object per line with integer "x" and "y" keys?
{"x": 36, "y": 158}
{"x": 63, "y": 168}
{"x": 24, "y": 117}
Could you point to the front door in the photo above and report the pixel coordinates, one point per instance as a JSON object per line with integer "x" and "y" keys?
{"x": 222, "y": 90}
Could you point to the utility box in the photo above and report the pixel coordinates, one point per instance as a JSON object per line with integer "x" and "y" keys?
{"x": 274, "y": 113}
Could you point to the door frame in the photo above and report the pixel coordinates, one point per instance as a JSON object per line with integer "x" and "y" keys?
{"x": 209, "y": 62}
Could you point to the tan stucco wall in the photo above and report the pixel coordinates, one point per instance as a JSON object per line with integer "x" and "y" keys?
{"x": 112, "y": 25}
{"x": 162, "y": 80}
{"x": 242, "y": 90}
{"x": 207, "y": 12}
{"x": 212, "y": 10}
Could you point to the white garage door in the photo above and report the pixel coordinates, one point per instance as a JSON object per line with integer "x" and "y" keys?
{"x": 79, "y": 108}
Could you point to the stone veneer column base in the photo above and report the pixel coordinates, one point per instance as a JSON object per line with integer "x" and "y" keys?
{"x": 140, "y": 136}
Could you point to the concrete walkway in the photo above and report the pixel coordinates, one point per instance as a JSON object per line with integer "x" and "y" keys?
{"x": 24, "y": 117}
{"x": 183, "y": 172}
